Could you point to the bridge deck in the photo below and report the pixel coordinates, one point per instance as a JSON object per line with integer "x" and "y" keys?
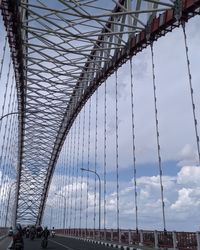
{"x": 5, "y": 243}
{"x": 61, "y": 243}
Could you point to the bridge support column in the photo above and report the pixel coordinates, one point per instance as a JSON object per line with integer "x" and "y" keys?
{"x": 174, "y": 240}
{"x": 104, "y": 234}
{"x": 156, "y": 239}
{"x": 93, "y": 234}
{"x": 111, "y": 237}
{"x": 198, "y": 240}
{"x": 129, "y": 237}
{"x": 119, "y": 235}
{"x": 141, "y": 238}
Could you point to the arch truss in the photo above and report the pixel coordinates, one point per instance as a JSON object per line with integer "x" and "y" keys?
{"x": 62, "y": 51}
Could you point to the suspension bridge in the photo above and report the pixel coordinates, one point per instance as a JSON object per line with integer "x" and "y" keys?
{"x": 99, "y": 122}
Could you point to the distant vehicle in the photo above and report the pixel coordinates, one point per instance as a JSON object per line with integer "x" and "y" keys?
{"x": 32, "y": 232}
{"x": 27, "y": 232}
{"x": 53, "y": 233}
{"x": 45, "y": 235}
{"x": 32, "y": 235}
{"x": 39, "y": 230}
{"x": 10, "y": 232}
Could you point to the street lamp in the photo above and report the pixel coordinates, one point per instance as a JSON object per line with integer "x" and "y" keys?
{"x": 12, "y": 113}
{"x": 50, "y": 215}
{"x": 18, "y": 112}
{"x": 94, "y": 172}
{"x": 64, "y": 208}
{"x": 8, "y": 203}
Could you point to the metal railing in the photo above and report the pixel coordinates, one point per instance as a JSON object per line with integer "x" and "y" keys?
{"x": 145, "y": 238}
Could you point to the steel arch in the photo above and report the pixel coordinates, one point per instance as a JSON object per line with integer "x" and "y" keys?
{"x": 61, "y": 53}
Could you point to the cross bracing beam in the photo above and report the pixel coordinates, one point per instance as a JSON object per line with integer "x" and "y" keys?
{"x": 62, "y": 51}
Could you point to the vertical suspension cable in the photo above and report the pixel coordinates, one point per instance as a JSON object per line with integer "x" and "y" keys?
{"x": 117, "y": 148}
{"x": 5, "y": 93}
{"x": 67, "y": 178}
{"x": 3, "y": 57}
{"x": 56, "y": 212}
{"x": 191, "y": 91}
{"x": 73, "y": 167}
{"x": 2, "y": 168}
{"x": 60, "y": 190}
{"x": 75, "y": 172}
{"x": 69, "y": 182}
{"x": 62, "y": 181}
{"x": 95, "y": 161}
{"x": 66, "y": 171}
{"x": 133, "y": 147}
{"x": 105, "y": 141}
{"x": 82, "y": 164}
{"x": 14, "y": 139}
{"x": 14, "y": 161}
{"x": 59, "y": 197}
{"x": 7, "y": 146}
{"x": 157, "y": 137}
{"x": 62, "y": 154}
{"x": 77, "y": 169}
{"x": 88, "y": 161}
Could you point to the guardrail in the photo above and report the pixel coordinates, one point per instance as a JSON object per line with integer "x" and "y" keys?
{"x": 143, "y": 238}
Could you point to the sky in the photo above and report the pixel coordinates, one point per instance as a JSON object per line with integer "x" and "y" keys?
{"x": 177, "y": 139}
{"x": 181, "y": 172}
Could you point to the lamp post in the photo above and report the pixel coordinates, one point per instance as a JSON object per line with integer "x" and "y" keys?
{"x": 8, "y": 203}
{"x": 12, "y": 113}
{"x": 94, "y": 172}
{"x": 64, "y": 208}
{"x": 51, "y": 217}
{"x": 17, "y": 113}
{"x": 51, "y": 214}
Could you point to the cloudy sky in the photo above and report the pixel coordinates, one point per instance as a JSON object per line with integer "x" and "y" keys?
{"x": 181, "y": 172}
{"x": 177, "y": 139}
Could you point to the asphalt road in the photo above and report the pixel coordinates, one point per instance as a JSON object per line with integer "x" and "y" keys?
{"x": 5, "y": 243}
{"x": 60, "y": 243}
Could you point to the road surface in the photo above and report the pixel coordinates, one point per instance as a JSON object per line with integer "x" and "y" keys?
{"x": 5, "y": 243}
{"x": 61, "y": 243}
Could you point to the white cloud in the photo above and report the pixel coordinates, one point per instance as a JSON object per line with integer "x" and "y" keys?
{"x": 187, "y": 155}
{"x": 189, "y": 176}
{"x": 188, "y": 199}
{"x": 181, "y": 197}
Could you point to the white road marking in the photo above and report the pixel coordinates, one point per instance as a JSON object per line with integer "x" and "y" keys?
{"x": 69, "y": 248}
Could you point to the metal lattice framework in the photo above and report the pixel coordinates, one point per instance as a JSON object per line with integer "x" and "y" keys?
{"x": 62, "y": 51}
